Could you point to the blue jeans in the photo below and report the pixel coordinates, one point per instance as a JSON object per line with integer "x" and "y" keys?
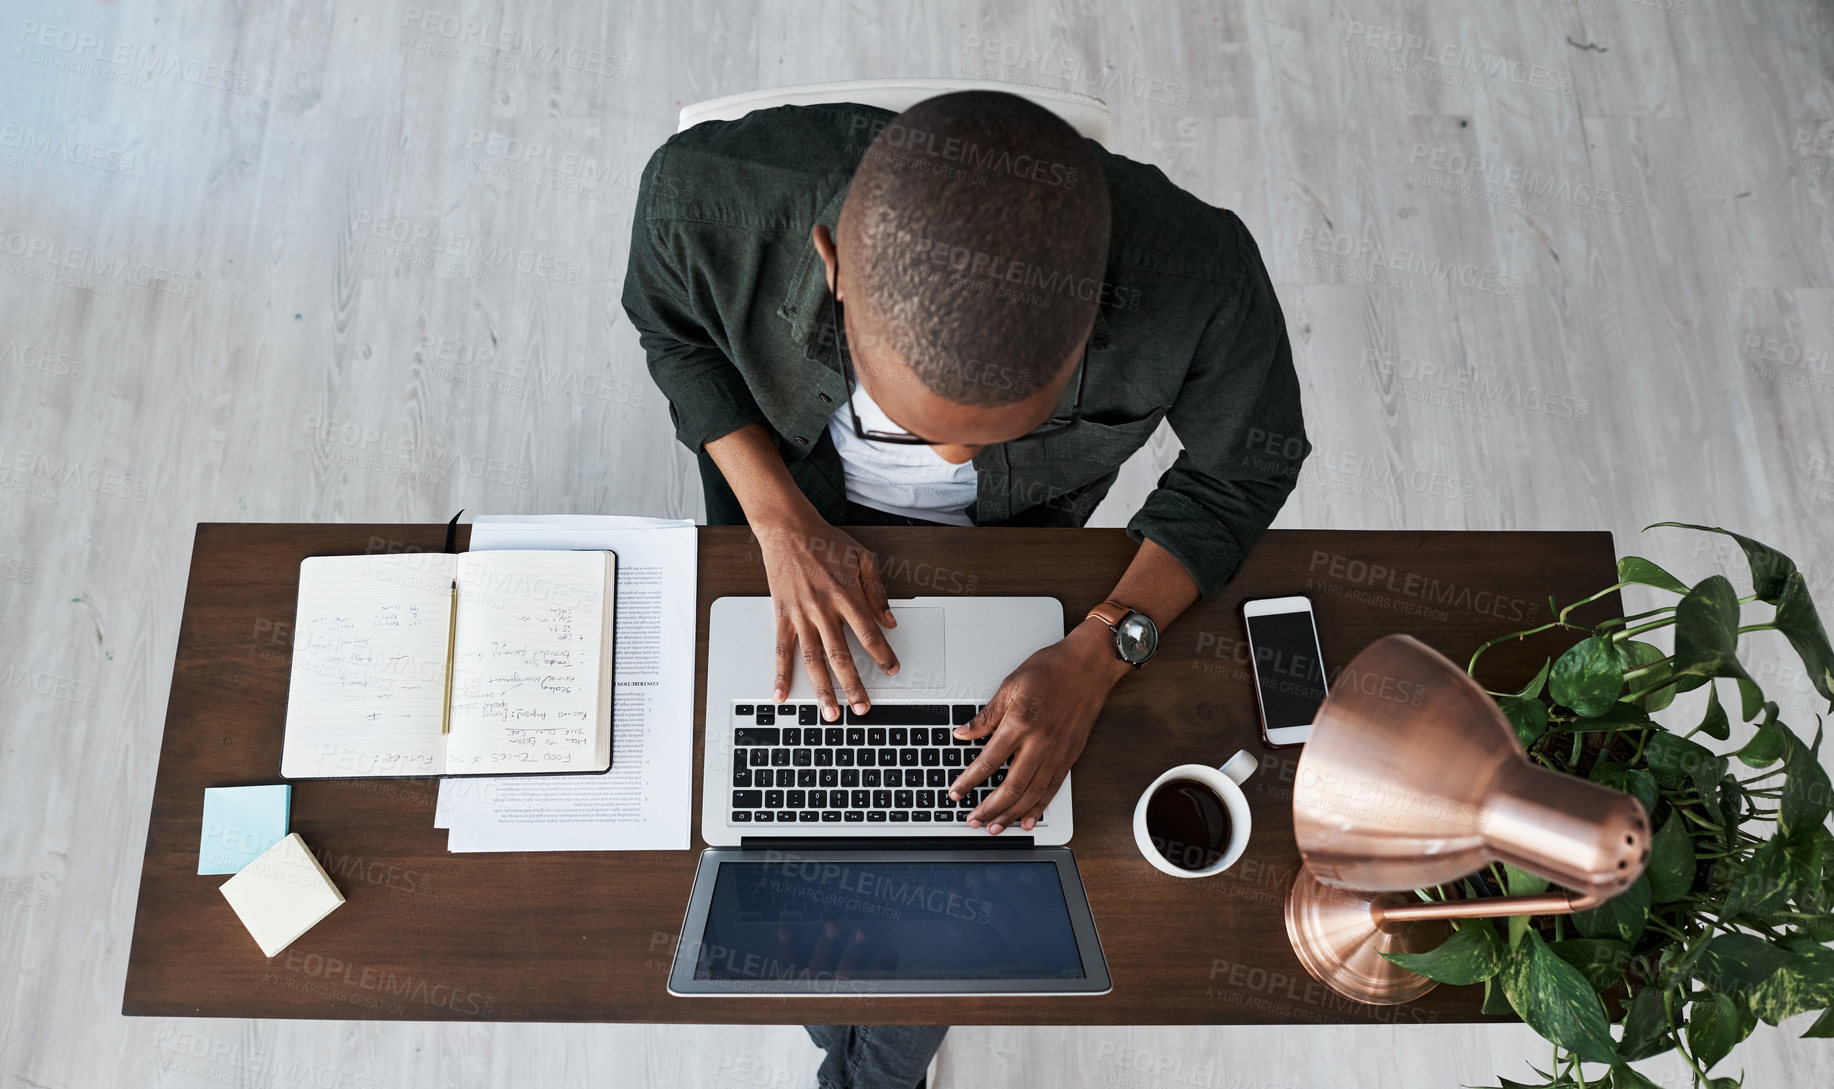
{"x": 875, "y": 1056}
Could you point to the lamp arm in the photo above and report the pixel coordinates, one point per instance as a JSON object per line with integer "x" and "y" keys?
{"x": 1547, "y": 903}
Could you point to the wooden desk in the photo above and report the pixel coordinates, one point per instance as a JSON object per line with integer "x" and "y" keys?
{"x": 427, "y": 935}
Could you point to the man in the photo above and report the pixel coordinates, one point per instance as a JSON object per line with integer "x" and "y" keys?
{"x": 964, "y": 314}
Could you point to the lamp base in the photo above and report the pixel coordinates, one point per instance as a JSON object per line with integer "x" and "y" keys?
{"x": 1339, "y": 942}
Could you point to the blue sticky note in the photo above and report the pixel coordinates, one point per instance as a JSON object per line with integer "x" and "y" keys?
{"x": 240, "y": 824}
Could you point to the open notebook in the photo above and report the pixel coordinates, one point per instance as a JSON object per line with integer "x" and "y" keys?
{"x": 430, "y": 663}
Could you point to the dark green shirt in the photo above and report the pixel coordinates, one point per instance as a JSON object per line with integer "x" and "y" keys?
{"x": 730, "y": 301}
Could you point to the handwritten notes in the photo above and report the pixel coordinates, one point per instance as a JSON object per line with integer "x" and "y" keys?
{"x": 529, "y": 675}
{"x": 529, "y": 655}
{"x": 369, "y": 666}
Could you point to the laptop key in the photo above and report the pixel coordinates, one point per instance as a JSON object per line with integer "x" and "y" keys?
{"x": 921, "y": 816}
{"x": 824, "y": 758}
{"x": 786, "y": 777}
{"x": 945, "y": 815}
{"x": 763, "y": 816}
{"x": 829, "y": 777}
{"x": 894, "y": 777}
{"x": 899, "y": 816}
{"x": 796, "y": 799}
{"x": 792, "y": 735}
{"x": 952, "y": 758}
{"x": 786, "y": 708}
{"x": 901, "y": 714}
{"x": 936, "y": 777}
{"x": 806, "y": 714}
{"x": 900, "y": 737}
{"x": 780, "y": 758}
{"x": 888, "y": 758}
{"x": 843, "y": 758}
{"x": 882, "y": 799}
{"x": 926, "y": 799}
{"x": 850, "y": 777}
{"x": 875, "y": 736}
{"x": 961, "y": 713}
{"x": 754, "y": 735}
{"x": 907, "y": 758}
{"x": 805, "y": 777}
{"x": 860, "y": 799}
{"x": 747, "y": 799}
{"x": 834, "y": 737}
{"x": 931, "y": 757}
{"x": 854, "y": 816}
{"x": 831, "y": 816}
{"x": 741, "y": 777}
{"x": 741, "y": 816}
{"x": 741, "y": 709}
{"x": 902, "y": 799}
{"x": 865, "y": 758}
{"x": 875, "y": 816}
{"x": 856, "y": 736}
{"x": 773, "y": 799}
{"x": 805, "y": 816}
{"x": 869, "y": 777}
{"x": 766, "y": 717}
{"x": 818, "y": 799}
{"x": 804, "y": 757}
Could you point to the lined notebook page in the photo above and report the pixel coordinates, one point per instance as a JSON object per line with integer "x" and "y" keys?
{"x": 369, "y": 666}
{"x": 528, "y": 672}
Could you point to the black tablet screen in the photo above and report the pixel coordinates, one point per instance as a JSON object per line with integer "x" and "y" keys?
{"x": 806, "y": 919}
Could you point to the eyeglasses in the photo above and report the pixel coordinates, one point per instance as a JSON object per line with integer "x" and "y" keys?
{"x": 905, "y": 438}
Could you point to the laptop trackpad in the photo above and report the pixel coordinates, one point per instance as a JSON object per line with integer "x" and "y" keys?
{"x": 918, "y": 643}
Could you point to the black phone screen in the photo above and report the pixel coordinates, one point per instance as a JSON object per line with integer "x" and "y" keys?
{"x": 1287, "y": 669}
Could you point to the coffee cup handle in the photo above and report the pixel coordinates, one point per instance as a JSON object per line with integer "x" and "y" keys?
{"x": 1240, "y": 766}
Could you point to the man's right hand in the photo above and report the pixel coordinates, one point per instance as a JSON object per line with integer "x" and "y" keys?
{"x": 822, "y": 583}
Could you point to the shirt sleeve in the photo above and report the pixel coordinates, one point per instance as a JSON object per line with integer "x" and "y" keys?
{"x": 708, "y": 397}
{"x": 1239, "y": 418}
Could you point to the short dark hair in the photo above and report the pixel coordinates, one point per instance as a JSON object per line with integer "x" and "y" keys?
{"x": 976, "y": 233}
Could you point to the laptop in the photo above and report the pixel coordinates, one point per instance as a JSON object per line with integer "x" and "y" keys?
{"x": 838, "y": 862}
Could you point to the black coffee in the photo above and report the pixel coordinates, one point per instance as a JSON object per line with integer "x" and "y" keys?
{"x": 1188, "y": 823}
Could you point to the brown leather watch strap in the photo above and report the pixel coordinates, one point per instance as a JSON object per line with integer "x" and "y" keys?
{"x": 1110, "y": 613}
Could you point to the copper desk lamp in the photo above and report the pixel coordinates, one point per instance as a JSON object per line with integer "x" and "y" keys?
{"x": 1412, "y": 778}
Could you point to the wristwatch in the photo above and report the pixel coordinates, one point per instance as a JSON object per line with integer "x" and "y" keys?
{"x": 1136, "y": 637}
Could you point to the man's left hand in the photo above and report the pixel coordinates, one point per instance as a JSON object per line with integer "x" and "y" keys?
{"x": 1040, "y": 717}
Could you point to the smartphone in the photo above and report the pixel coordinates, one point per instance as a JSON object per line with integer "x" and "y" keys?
{"x": 1289, "y": 668}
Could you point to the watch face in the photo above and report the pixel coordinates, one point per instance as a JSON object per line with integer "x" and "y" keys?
{"x": 1136, "y": 638}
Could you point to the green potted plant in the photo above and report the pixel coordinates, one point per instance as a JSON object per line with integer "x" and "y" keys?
{"x": 1727, "y": 925}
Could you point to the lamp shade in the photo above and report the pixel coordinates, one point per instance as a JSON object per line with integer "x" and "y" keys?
{"x": 1411, "y": 778}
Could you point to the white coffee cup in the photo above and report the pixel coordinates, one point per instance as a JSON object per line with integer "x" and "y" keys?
{"x": 1227, "y": 782}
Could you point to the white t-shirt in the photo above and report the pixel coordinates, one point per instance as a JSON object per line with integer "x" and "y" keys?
{"x": 899, "y": 478}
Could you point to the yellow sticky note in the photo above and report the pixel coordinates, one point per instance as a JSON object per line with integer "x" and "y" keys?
{"x": 282, "y": 894}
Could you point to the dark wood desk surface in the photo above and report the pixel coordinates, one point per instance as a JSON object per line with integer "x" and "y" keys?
{"x": 427, "y": 935}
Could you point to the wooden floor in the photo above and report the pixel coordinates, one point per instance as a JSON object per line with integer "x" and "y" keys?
{"x": 299, "y": 261}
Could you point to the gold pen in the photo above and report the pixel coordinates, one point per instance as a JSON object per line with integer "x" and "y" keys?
{"x": 445, "y": 715}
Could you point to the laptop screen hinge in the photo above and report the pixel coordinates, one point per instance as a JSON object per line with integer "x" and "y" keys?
{"x": 883, "y": 843}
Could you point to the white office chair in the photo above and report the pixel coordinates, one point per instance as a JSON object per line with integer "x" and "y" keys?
{"x": 1085, "y": 114}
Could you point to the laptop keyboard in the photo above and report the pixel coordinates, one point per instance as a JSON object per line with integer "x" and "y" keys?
{"x": 890, "y": 766}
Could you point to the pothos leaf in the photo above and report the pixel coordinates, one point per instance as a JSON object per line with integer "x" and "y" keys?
{"x": 1706, "y": 631}
{"x": 1472, "y": 954}
{"x": 1642, "y": 572}
{"x": 1555, "y": 1000}
{"x": 1715, "y": 724}
{"x": 1770, "y": 569}
{"x": 1589, "y": 676}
